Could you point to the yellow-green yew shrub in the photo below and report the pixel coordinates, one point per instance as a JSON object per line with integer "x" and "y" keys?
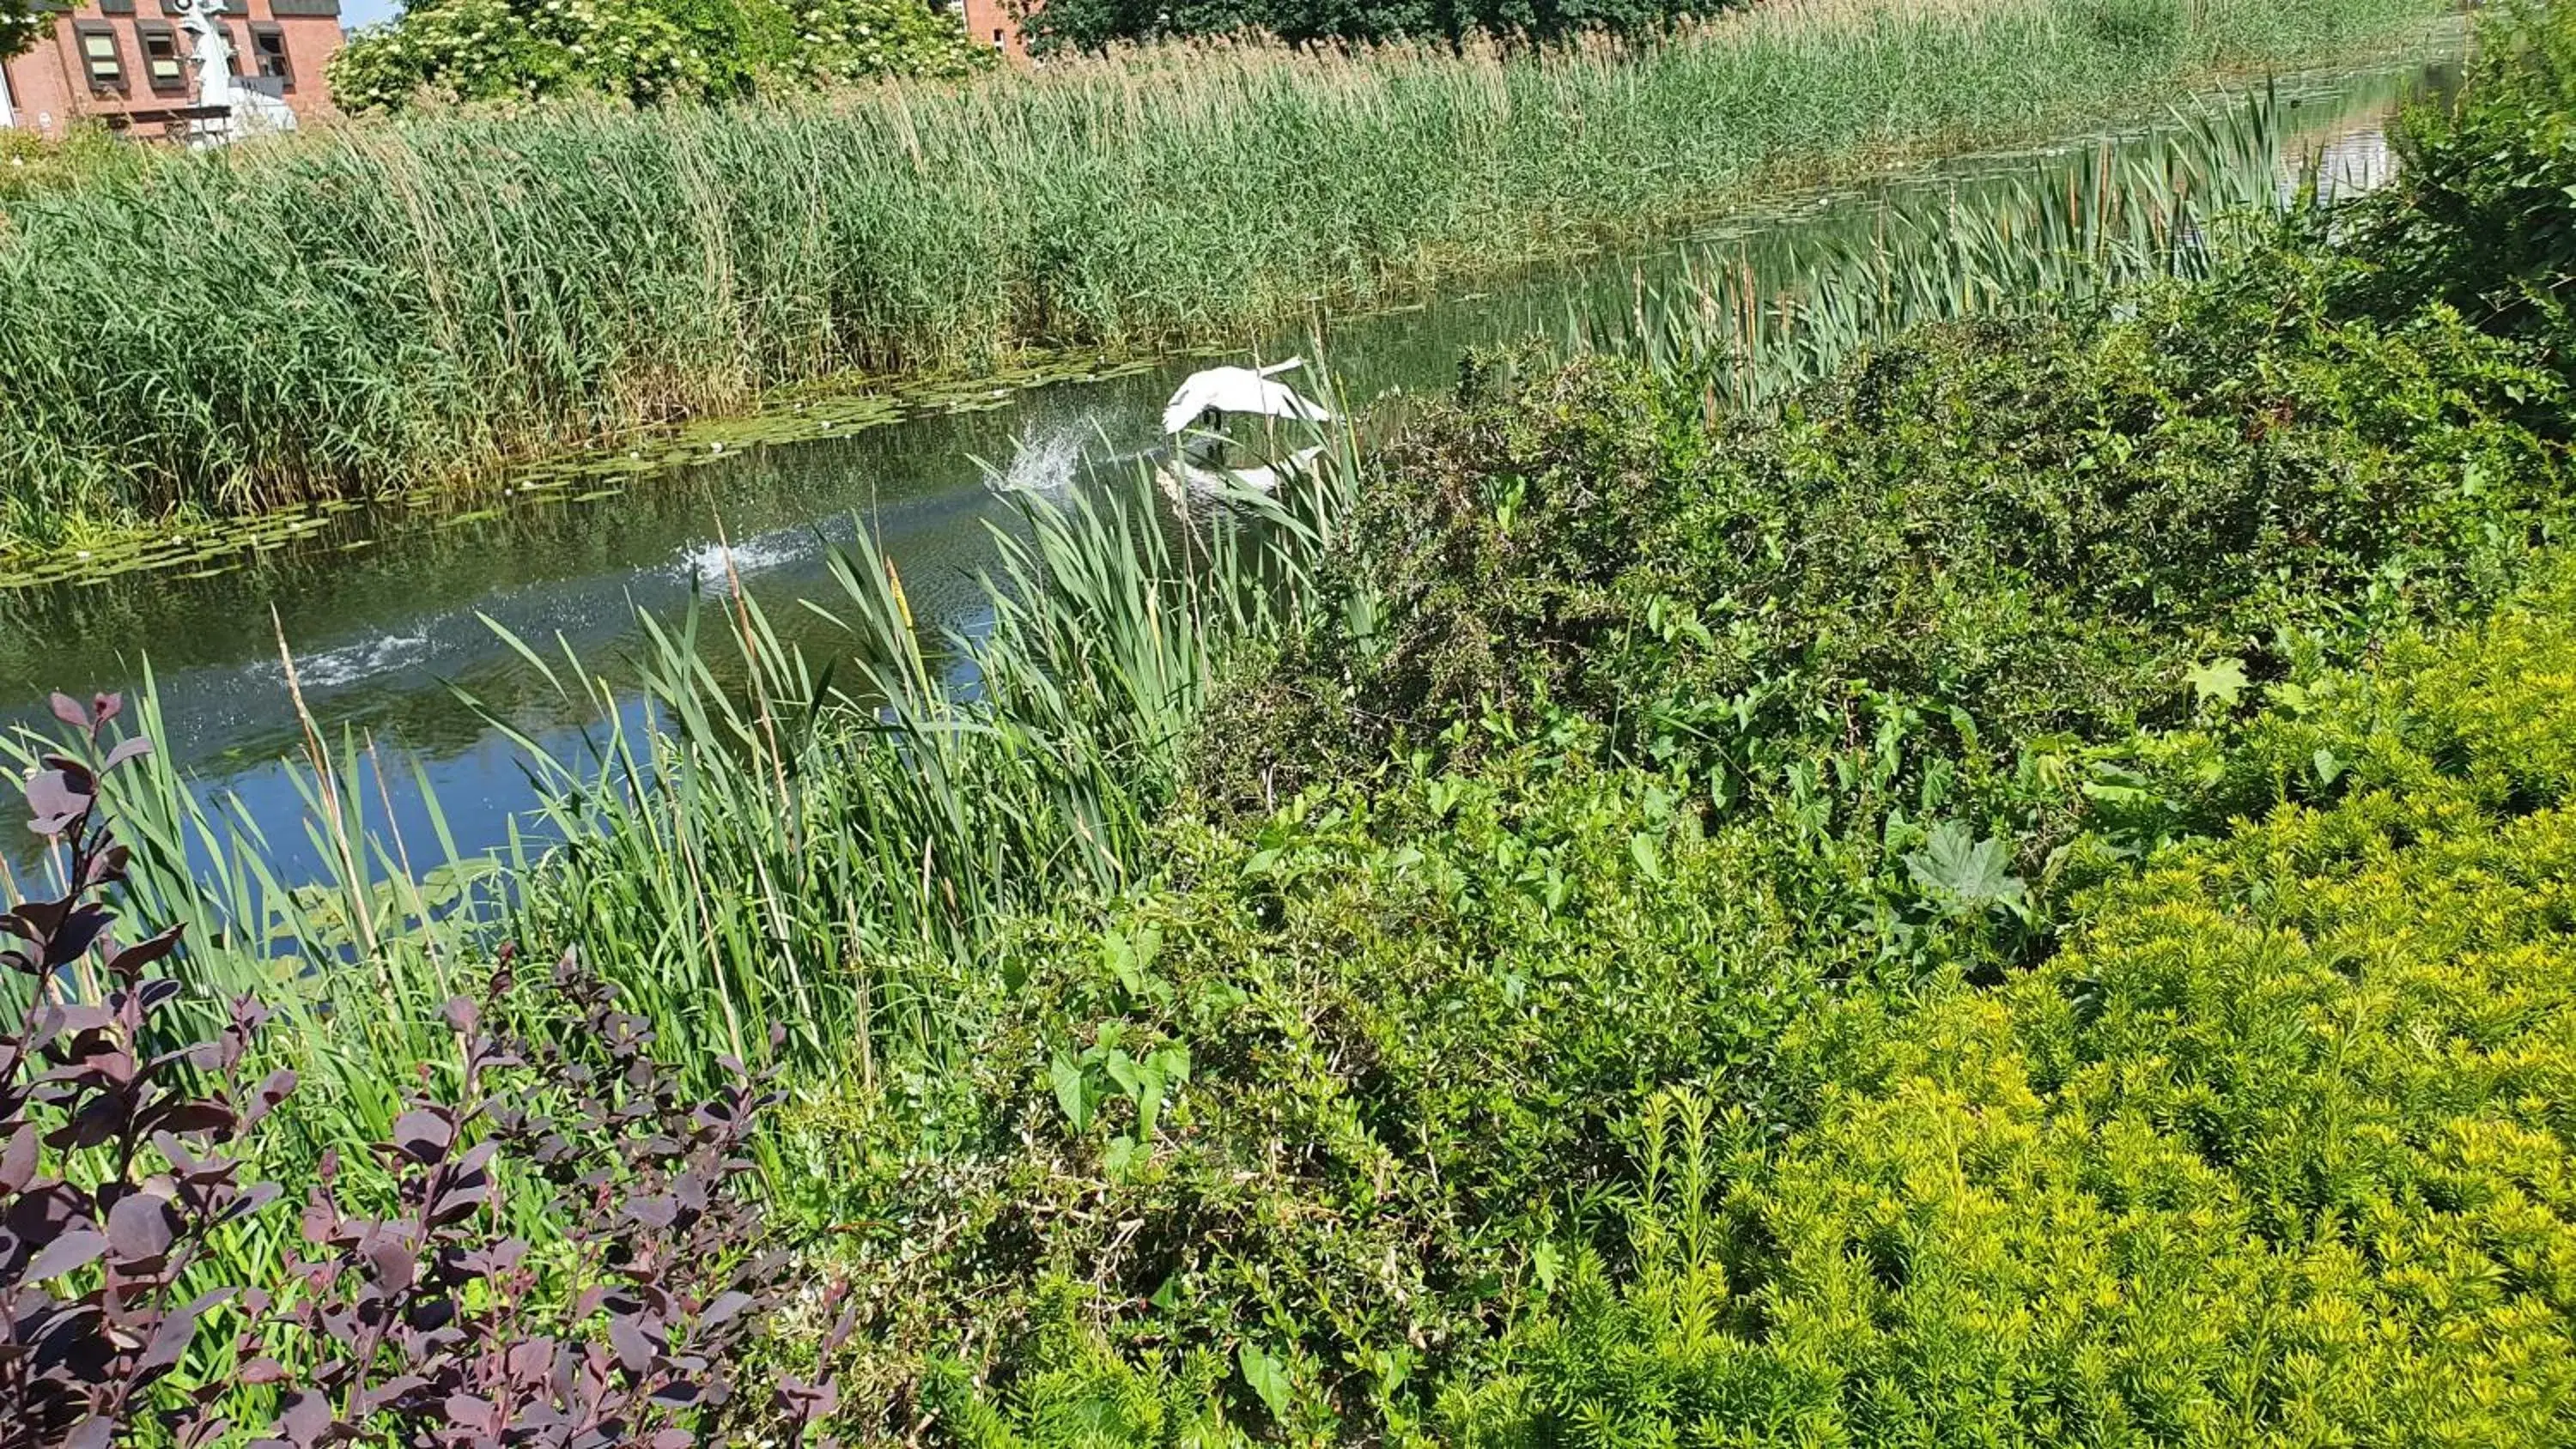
{"x": 2274, "y": 1151}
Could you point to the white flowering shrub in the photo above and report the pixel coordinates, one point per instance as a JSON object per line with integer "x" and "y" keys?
{"x": 639, "y": 51}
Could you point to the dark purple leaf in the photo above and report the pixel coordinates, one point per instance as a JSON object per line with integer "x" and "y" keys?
{"x": 653, "y": 1212}
{"x": 466, "y": 1411}
{"x": 46, "y": 1210}
{"x": 68, "y": 710}
{"x": 724, "y": 1309}
{"x": 56, "y": 797}
{"x": 393, "y": 1260}
{"x": 18, "y": 1160}
{"x": 73, "y": 938}
{"x": 461, "y": 1015}
{"x": 305, "y": 1419}
{"x": 171, "y": 1339}
{"x": 107, "y": 865}
{"x": 144, "y": 952}
{"x": 96, "y": 1432}
{"x": 72, "y": 1018}
{"x": 98, "y": 1120}
{"x": 130, "y": 749}
{"x": 321, "y": 1220}
{"x": 273, "y": 1090}
{"x": 499, "y": 1258}
{"x": 635, "y": 1349}
{"x": 185, "y": 1116}
{"x": 424, "y": 1134}
{"x": 456, "y": 1205}
{"x": 255, "y": 1197}
{"x": 141, "y": 1227}
{"x": 532, "y": 1360}
{"x": 75, "y": 1249}
{"x": 109, "y": 706}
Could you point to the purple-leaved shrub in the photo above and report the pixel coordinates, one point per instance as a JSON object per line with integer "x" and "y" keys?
{"x": 125, "y": 1145}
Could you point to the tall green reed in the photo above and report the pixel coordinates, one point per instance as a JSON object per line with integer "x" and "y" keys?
{"x": 2068, "y": 229}
{"x": 755, "y": 837}
{"x": 377, "y": 307}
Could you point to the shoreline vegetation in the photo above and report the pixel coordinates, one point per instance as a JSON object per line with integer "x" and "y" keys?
{"x": 2021, "y": 897}
{"x": 421, "y": 302}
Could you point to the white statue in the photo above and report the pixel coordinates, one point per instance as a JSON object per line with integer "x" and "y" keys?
{"x": 249, "y": 112}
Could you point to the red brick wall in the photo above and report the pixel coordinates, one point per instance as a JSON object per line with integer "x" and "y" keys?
{"x": 986, "y": 19}
{"x": 49, "y": 85}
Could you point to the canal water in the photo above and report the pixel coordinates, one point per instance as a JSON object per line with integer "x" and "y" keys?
{"x": 389, "y": 611}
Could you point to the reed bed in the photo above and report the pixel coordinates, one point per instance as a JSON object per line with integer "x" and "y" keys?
{"x": 389, "y": 306}
{"x": 2064, "y": 232}
{"x": 813, "y": 847}
{"x": 825, "y": 842}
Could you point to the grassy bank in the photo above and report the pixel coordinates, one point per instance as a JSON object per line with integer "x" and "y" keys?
{"x": 386, "y": 306}
{"x": 2019, "y": 900}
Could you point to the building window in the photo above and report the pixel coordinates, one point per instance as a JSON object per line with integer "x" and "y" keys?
{"x": 268, "y": 49}
{"x": 115, "y": 7}
{"x": 99, "y": 57}
{"x": 162, "y": 66}
{"x": 997, "y": 39}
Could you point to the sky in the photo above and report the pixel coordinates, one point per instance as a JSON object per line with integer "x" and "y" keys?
{"x": 354, "y": 13}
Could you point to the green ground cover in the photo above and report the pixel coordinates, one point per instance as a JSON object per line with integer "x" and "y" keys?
{"x": 2021, "y": 899}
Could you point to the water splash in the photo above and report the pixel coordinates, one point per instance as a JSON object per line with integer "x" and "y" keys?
{"x": 712, "y": 560}
{"x": 1041, "y": 463}
{"x": 352, "y": 662}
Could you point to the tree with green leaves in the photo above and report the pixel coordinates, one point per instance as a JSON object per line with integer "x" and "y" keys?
{"x": 22, "y": 23}
{"x": 641, "y": 51}
{"x": 1089, "y": 24}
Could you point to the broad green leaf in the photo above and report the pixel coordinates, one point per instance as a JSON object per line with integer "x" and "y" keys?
{"x": 1648, "y": 855}
{"x": 1066, "y": 1076}
{"x": 2221, "y": 682}
{"x": 1960, "y": 872}
{"x": 1268, "y": 1378}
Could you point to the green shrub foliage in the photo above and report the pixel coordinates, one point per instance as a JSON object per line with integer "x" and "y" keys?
{"x": 638, "y": 50}
{"x": 2021, "y": 900}
{"x": 1092, "y": 23}
{"x": 2274, "y": 1151}
{"x": 2042, "y": 528}
{"x": 22, "y": 24}
{"x": 2483, "y": 215}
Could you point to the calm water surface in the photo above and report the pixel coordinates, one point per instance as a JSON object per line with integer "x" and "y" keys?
{"x": 385, "y": 609}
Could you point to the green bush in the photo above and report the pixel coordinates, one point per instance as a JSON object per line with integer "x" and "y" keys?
{"x": 1095, "y": 23}
{"x": 2043, "y": 527}
{"x": 2483, "y": 215}
{"x": 2275, "y": 1151}
{"x": 2014, "y": 902}
{"x": 638, "y": 50}
{"x": 1319, "y": 1092}
{"x": 1716, "y": 750}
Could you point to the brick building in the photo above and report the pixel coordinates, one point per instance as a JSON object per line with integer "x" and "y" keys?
{"x": 125, "y": 62}
{"x": 990, "y": 22}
